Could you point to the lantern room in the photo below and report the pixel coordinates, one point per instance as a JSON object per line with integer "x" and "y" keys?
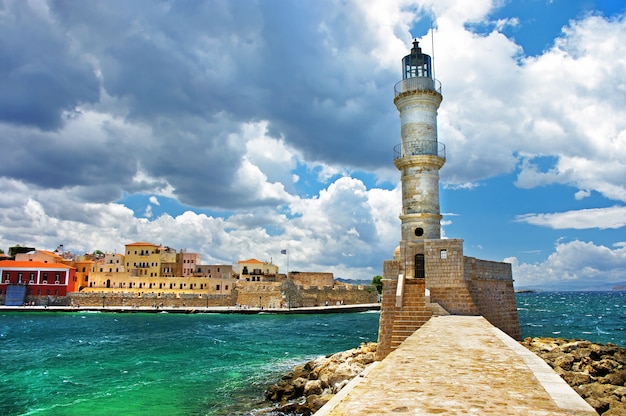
{"x": 416, "y": 64}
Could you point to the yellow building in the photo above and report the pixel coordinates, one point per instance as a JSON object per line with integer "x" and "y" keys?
{"x": 146, "y": 259}
{"x": 253, "y": 270}
{"x": 159, "y": 286}
{"x": 149, "y": 269}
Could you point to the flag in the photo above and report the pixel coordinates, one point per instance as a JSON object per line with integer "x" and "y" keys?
{"x": 283, "y": 251}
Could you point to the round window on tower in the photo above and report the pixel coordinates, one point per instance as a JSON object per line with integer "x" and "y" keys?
{"x": 419, "y": 231}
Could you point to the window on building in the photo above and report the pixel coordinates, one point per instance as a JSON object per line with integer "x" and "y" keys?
{"x": 444, "y": 254}
{"x": 217, "y": 287}
{"x": 226, "y": 287}
{"x": 420, "y": 269}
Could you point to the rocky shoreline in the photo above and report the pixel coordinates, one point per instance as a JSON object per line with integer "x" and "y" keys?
{"x": 596, "y": 372}
{"x": 308, "y": 387}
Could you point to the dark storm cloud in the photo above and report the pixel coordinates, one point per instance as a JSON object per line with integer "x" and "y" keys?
{"x": 51, "y": 161}
{"x": 191, "y": 72}
{"x": 40, "y": 73}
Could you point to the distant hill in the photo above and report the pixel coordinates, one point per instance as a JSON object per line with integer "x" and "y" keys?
{"x": 353, "y": 281}
{"x": 589, "y": 286}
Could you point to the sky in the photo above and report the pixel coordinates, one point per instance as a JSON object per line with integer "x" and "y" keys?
{"x": 237, "y": 129}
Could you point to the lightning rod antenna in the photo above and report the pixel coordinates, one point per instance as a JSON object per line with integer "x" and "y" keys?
{"x": 432, "y": 42}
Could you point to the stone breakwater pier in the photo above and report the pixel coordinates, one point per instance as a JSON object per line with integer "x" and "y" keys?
{"x": 458, "y": 365}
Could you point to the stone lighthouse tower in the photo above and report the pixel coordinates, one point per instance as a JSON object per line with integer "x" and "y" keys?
{"x": 419, "y": 156}
{"x": 429, "y": 275}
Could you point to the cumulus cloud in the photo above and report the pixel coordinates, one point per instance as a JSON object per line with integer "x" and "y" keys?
{"x": 574, "y": 265}
{"x": 329, "y": 233}
{"x": 602, "y": 218}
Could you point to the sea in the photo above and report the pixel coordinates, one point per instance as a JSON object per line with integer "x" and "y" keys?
{"x": 90, "y": 363}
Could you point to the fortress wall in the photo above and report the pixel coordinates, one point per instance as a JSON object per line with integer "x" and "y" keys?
{"x": 312, "y": 278}
{"x": 318, "y": 296}
{"x": 491, "y": 286}
{"x": 255, "y": 294}
{"x": 270, "y": 295}
{"x": 95, "y": 299}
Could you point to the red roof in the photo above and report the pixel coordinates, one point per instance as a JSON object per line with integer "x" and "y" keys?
{"x": 32, "y": 265}
{"x": 142, "y": 243}
{"x": 250, "y": 261}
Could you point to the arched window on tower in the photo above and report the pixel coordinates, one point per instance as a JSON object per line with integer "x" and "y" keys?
{"x": 420, "y": 268}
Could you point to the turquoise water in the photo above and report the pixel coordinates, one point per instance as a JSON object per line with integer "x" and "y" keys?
{"x": 159, "y": 364}
{"x": 594, "y": 316}
{"x": 170, "y": 364}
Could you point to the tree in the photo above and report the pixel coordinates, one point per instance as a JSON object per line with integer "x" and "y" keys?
{"x": 378, "y": 282}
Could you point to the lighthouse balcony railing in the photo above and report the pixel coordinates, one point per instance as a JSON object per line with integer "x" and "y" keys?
{"x": 417, "y": 84}
{"x": 419, "y": 147}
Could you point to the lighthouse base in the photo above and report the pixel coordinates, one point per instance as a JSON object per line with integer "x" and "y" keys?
{"x": 448, "y": 283}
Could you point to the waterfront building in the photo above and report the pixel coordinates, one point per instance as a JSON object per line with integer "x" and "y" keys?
{"x": 253, "y": 270}
{"x": 214, "y": 271}
{"x": 110, "y": 262}
{"x": 150, "y": 275}
{"x": 42, "y": 256}
{"x": 22, "y": 281}
{"x": 144, "y": 259}
{"x": 187, "y": 263}
{"x": 83, "y": 267}
{"x": 429, "y": 275}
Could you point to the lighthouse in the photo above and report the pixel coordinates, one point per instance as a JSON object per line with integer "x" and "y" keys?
{"x": 419, "y": 156}
{"x": 429, "y": 275}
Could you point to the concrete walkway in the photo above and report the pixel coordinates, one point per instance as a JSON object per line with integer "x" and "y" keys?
{"x": 458, "y": 365}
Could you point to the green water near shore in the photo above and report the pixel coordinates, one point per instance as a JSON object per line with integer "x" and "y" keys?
{"x": 159, "y": 364}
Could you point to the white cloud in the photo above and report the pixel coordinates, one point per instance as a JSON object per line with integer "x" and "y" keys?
{"x": 602, "y": 218}
{"x": 574, "y": 265}
{"x": 582, "y": 194}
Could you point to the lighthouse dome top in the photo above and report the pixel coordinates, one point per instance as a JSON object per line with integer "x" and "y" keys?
{"x": 417, "y": 64}
{"x": 417, "y": 72}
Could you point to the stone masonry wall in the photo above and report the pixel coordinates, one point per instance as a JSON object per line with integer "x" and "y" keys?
{"x": 95, "y": 299}
{"x": 270, "y": 295}
{"x": 445, "y": 276}
{"x": 391, "y": 269}
{"x": 312, "y": 278}
{"x": 491, "y": 287}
